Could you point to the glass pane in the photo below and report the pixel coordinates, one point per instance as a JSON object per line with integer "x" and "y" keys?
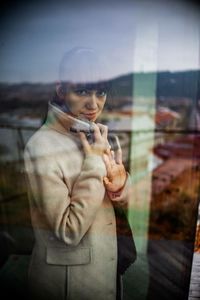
{"x": 151, "y": 66}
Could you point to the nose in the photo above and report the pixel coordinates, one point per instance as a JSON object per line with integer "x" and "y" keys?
{"x": 92, "y": 102}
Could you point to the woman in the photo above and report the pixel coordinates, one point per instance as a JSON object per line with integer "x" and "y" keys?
{"x": 77, "y": 186}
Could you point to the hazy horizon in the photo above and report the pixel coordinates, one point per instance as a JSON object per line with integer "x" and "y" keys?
{"x": 112, "y": 78}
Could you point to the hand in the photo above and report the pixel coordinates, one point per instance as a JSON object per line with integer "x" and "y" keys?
{"x": 100, "y": 144}
{"x": 116, "y": 173}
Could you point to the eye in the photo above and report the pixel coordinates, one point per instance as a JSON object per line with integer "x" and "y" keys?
{"x": 101, "y": 93}
{"x": 82, "y": 92}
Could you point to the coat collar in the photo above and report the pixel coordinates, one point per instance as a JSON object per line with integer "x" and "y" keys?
{"x": 58, "y": 120}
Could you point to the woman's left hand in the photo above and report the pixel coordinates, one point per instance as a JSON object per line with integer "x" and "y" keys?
{"x": 116, "y": 173}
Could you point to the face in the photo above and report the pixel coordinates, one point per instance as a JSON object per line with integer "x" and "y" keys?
{"x": 85, "y": 103}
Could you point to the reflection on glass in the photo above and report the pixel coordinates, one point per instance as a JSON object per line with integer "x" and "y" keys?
{"x": 154, "y": 108}
{"x": 178, "y": 93}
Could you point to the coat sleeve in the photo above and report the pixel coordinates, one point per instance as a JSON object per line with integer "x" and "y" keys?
{"x": 68, "y": 214}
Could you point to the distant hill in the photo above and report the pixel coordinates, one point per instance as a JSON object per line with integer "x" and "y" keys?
{"x": 35, "y": 96}
{"x": 179, "y": 84}
{"x": 183, "y": 84}
{"x": 25, "y": 95}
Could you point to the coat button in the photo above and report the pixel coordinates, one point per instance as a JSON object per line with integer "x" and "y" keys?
{"x": 51, "y": 238}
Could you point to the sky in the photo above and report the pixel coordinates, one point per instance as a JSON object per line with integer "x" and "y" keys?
{"x": 134, "y": 36}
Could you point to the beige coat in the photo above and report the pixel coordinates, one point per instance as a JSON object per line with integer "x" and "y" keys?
{"x": 75, "y": 252}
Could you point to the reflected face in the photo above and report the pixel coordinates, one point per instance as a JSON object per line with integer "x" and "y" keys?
{"x": 85, "y": 103}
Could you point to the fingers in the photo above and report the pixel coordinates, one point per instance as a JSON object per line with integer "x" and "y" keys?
{"x": 85, "y": 143}
{"x": 107, "y": 183}
{"x": 97, "y": 133}
{"x": 118, "y": 152}
{"x": 101, "y": 146}
{"x": 112, "y": 157}
{"x": 106, "y": 160}
{"x": 118, "y": 156}
{"x": 104, "y": 134}
{"x": 100, "y": 136}
{"x": 103, "y": 130}
{"x": 115, "y": 157}
{"x": 106, "y": 180}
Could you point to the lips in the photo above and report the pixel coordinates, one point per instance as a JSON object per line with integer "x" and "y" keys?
{"x": 90, "y": 116}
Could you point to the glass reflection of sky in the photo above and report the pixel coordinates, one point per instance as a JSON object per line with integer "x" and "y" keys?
{"x": 35, "y": 35}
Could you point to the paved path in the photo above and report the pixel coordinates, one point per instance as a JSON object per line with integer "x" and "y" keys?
{"x": 194, "y": 292}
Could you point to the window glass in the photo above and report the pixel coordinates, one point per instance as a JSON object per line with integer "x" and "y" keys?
{"x": 150, "y": 53}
